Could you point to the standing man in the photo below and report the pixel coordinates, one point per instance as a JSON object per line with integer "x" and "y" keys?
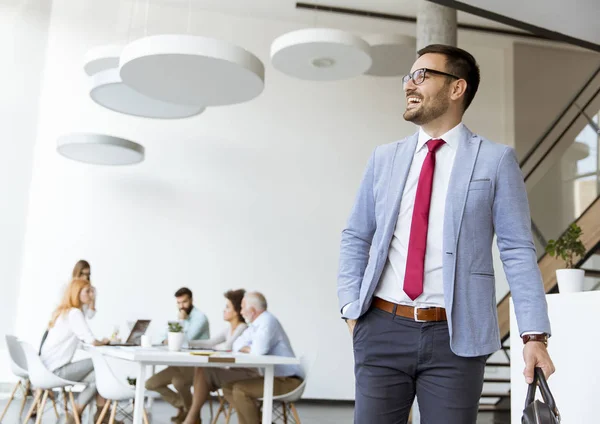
{"x": 416, "y": 278}
{"x": 195, "y": 327}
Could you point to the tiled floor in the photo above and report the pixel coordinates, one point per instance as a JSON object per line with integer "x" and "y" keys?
{"x": 310, "y": 413}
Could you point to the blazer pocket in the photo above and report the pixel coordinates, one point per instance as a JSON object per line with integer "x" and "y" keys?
{"x": 483, "y": 184}
{"x": 483, "y": 274}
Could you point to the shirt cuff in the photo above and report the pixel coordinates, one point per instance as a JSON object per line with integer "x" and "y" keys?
{"x": 345, "y": 308}
{"x": 531, "y": 332}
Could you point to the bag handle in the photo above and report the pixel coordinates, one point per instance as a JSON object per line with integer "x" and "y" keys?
{"x": 540, "y": 379}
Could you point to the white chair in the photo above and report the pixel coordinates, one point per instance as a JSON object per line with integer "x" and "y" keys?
{"x": 288, "y": 400}
{"x": 43, "y": 379}
{"x": 18, "y": 366}
{"x": 111, "y": 388}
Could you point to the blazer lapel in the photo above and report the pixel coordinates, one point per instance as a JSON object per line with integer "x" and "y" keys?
{"x": 405, "y": 153}
{"x": 458, "y": 186}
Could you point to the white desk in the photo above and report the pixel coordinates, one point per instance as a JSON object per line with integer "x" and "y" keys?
{"x": 574, "y": 348}
{"x": 161, "y": 356}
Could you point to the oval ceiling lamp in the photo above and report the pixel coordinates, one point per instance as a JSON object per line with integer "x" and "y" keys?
{"x": 101, "y": 58}
{"x": 393, "y": 55}
{"x": 321, "y": 54}
{"x": 192, "y": 70}
{"x": 107, "y": 90}
{"x": 100, "y": 149}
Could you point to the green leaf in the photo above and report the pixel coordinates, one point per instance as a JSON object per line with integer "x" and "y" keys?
{"x": 567, "y": 246}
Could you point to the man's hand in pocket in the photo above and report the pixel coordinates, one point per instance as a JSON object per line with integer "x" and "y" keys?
{"x": 351, "y": 323}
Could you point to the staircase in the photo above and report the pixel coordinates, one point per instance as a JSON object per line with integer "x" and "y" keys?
{"x": 562, "y": 175}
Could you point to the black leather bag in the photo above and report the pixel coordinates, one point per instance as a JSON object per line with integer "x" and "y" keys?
{"x": 537, "y": 412}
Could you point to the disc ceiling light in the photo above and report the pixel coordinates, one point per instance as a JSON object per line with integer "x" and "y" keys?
{"x": 101, "y": 58}
{"x": 392, "y": 54}
{"x": 191, "y": 70}
{"x": 321, "y": 54}
{"x": 107, "y": 90}
{"x": 100, "y": 149}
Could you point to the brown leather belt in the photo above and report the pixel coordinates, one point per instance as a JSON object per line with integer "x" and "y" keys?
{"x": 416, "y": 314}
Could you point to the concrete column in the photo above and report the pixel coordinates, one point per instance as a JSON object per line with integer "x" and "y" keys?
{"x": 435, "y": 24}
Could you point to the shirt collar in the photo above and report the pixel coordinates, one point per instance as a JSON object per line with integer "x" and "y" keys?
{"x": 452, "y": 137}
{"x": 258, "y": 320}
{"x": 192, "y": 312}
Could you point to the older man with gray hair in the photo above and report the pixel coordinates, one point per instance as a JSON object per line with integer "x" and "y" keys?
{"x": 264, "y": 336}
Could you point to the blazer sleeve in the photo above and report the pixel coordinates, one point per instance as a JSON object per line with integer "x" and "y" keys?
{"x": 356, "y": 239}
{"x": 512, "y": 224}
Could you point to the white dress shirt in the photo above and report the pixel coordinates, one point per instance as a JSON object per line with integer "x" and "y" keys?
{"x": 64, "y": 337}
{"x": 391, "y": 283}
{"x": 265, "y": 336}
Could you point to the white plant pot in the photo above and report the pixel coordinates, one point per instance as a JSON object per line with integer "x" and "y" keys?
{"x": 570, "y": 280}
{"x": 175, "y": 341}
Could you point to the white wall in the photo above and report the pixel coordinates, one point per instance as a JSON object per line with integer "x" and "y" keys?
{"x": 23, "y": 35}
{"x": 252, "y": 195}
{"x": 546, "y": 80}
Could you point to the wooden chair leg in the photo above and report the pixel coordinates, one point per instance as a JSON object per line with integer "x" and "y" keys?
{"x": 54, "y": 405}
{"x": 12, "y": 396}
{"x": 145, "y": 417}
{"x": 65, "y": 402}
{"x": 220, "y": 409}
{"x": 284, "y": 407}
{"x": 229, "y": 412}
{"x": 104, "y": 411}
{"x": 295, "y": 413}
{"x": 24, "y": 401}
{"x": 113, "y": 413}
{"x": 36, "y": 399}
{"x": 75, "y": 412}
{"x": 41, "y": 409}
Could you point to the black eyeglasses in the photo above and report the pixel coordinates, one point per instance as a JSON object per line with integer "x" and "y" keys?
{"x": 418, "y": 76}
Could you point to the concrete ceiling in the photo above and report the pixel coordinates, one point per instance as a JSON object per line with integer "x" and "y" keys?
{"x": 573, "y": 21}
{"x": 286, "y": 9}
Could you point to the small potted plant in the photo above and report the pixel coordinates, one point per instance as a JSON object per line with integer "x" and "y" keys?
{"x": 175, "y": 336}
{"x": 568, "y": 247}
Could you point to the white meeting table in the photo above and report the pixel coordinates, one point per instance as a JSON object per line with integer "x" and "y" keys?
{"x": 144, "y": 357}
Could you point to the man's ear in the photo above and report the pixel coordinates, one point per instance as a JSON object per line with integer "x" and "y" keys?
{"x": 459, "y": 89}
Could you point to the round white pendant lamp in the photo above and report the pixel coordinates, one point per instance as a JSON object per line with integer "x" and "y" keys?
{"x": 321, "y": 54}
{"x": 100, "y": 149}
{"x": 101, "y": 58}
{"x": 393, "y": 55}
{"x": 107, "y": 90}
{"x": 191, "y": 70}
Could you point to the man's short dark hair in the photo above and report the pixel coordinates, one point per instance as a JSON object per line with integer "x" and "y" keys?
{"x": 461, "y": 63}
{"x": 183, "y": 291}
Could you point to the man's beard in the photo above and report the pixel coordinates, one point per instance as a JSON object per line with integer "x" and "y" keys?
{"x": 187, "y": 310}
{"x": 422, "y": 115}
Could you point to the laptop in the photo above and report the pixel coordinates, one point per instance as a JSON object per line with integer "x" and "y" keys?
{"x": 135, "y": 337}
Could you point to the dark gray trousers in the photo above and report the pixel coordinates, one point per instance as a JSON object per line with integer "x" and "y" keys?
{"x": 397, "y": 358}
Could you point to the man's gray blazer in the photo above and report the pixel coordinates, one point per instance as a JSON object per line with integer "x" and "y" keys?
{"x": 486, "y": 194}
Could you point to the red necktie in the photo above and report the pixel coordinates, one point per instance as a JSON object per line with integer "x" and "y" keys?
{"x": 415, "y": 261}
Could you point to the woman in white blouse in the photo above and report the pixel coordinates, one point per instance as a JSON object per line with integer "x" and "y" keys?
{"x": 67, "y": 328}
{"x": 233, "y": 315}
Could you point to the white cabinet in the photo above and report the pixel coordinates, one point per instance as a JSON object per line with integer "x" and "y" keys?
{"x": 575, "y": 349}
